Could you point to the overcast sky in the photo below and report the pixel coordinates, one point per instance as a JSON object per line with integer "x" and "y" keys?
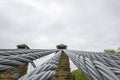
{"x": 91, "y": 25}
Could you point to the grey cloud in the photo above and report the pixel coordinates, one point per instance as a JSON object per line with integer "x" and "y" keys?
{"x": 84, "y": 25}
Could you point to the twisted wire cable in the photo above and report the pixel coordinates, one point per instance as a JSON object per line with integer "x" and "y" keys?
{"x": 110, "y": 60}
{"x": 106, "y": 59}
{"x": 96, "y": 66}
{"x": 11, "y": 61}
{"x": 45, "y": 71}
{"x": 8, "y": 52}
{"x": 92, "y": 68}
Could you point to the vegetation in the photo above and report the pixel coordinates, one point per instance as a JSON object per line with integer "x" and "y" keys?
{"x": 78, "y": 75}
{"x": 112, "y": 51}
{"x": 0, "y": 77}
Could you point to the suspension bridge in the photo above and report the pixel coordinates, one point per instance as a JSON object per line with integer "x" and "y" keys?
{"x": 94, "y": 65}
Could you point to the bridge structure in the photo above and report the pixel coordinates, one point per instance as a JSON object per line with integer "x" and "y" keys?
{"x": 94, "y": 65}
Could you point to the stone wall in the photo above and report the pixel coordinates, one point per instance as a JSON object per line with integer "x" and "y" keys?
{"x": 15, "y": 73}
{"x": 63, "y": 70}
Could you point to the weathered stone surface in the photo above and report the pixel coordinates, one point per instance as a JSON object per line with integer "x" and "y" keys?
{"x": 63, "y": 70}
{"x": 10, "y": 74}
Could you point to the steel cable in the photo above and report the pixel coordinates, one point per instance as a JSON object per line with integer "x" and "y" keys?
{"x": 92, "y": 68}
{"x": 8, "y": 62}
{"x": 45, "y": 71}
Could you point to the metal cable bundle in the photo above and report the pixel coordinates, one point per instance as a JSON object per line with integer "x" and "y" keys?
{"x": 45, "y": 71}
{"x": 92, "y": 67}
{"x": 95, "y": 65}
{"x": 110, "y": 60}
{"x": 11, "y": 61}
{"x": 9, "y": 52}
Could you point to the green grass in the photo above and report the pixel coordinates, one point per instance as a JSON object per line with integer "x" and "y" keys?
{"x": 78, "y": 75}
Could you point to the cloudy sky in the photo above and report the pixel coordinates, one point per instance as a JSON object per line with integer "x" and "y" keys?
{"x": 91, "y": 25}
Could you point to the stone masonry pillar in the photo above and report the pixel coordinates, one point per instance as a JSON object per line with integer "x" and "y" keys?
{"x": 63, "y": 69}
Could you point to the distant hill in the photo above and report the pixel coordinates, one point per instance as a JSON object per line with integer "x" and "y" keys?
{"x": 78, "y": 75}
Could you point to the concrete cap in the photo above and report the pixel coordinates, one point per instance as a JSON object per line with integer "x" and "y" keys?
{"x": 22, "y": 46}
{"x": 61, "y": 46}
